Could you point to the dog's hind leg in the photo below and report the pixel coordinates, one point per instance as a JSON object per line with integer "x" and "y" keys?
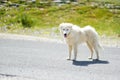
{"x": 70, "y": 51}
{"x": 96, "y": 51}
{"x": 91, "y": 50}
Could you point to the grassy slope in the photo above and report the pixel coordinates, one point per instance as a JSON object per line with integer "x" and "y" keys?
{"x": 104, "y": 21}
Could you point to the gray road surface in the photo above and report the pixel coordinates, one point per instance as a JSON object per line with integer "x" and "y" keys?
{"x": 42, "y": 60}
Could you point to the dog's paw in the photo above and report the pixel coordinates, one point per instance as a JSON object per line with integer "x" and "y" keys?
{"x": 74, "y": 60}
{"x": 96, "y": 60}
{"x": 89, "y": 57}
{"x": 68, "y": 59}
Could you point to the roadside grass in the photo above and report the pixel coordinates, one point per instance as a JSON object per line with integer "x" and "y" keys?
{"x": 109, "y": 1}
{"x": 34, "y": 18}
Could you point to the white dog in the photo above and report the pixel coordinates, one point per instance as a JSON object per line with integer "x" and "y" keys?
{"x": 75, "y": 35}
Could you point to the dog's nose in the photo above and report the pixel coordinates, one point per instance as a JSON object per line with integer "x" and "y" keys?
{"x": 65, "y": 35}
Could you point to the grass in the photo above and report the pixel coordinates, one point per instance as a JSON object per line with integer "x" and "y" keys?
{"x": 35, "y": 18}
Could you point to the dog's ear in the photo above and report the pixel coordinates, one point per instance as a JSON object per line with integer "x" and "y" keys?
{"x": 60, "y": 27}
{"x": 70, "y": 26}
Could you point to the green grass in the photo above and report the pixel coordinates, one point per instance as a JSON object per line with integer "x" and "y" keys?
{"x": 104, "y": 21}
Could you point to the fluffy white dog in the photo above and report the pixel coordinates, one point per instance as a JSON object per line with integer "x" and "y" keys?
{"x": 75, "y": 35}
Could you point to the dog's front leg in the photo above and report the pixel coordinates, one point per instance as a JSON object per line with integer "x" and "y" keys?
{"x": 70, "y": 51}
{"x": 75, "y": 52}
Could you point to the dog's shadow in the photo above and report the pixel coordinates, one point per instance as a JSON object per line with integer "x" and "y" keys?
{"x": 86, "y": 63}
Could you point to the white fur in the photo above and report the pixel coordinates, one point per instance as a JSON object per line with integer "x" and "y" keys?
{"x": 75, "y": 35}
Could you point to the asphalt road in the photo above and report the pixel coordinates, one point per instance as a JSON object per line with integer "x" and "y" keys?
{"x": 45, "y": 60}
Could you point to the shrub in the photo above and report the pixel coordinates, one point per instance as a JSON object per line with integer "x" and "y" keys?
{"x": 26, "y": 21}
{"x": 2, "y": 11}
{"x": 83, "y": 9}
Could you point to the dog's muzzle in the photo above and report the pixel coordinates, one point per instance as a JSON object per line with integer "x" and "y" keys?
{"x": 65, "y": 35}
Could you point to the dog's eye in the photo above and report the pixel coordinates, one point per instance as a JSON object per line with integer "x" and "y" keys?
{"x": 67, "y": 29}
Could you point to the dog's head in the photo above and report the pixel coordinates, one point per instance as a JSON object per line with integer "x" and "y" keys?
{"x": 65, "y": 29}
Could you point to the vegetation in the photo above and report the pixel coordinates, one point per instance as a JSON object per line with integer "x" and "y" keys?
{"x": 37, "y": 16}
